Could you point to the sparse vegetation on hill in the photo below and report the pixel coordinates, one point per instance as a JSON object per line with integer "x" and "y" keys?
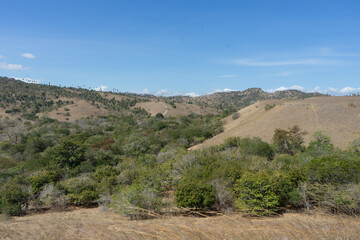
{"x": 230, "y": 102}
{"x": 27, "y": 100}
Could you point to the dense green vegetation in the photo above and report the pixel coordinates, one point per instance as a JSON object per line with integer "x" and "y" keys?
{"x": 136, "y": 162}
{"x": 133, "y": 162}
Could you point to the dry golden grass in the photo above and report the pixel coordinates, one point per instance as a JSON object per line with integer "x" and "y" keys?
{"x": 80, "y": 109}
{"x": 93, "y": 224}
{"x": 338, "y": 117}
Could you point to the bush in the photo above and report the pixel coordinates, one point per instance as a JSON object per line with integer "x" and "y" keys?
{"x": 334, "y": 169}
{"x": 135, "y": 200}
{"x": 106, "y": 176}
{"x": 251, "y": 146}
{"x": 289, "y": 141}
{"x": 269, "y": 106}
{"x": 13, "y": 196}
{"x": 195, "y": 195}
{"x": 38, "y": 180}
{"x": 257, "y": 147}
{"x": 68, "y": 154}
{"x": 235, "y": 116}
{"x": 255, "y": 194}
{"x": 81, "y": 190}
{"x": 225, "y": 197}
{"x": 285, "y": 186}
{"x": 320, "y": 144}
{"x": 53, "y": 197}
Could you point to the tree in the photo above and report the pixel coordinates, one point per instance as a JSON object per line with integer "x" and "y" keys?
{"x": 289, "y": 141}
{"x": 69, "y": 154}
{"x": 320, "y": 144}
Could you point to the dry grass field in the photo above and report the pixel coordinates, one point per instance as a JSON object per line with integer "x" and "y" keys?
{"x": 80, "y": 109}
{"x": 93, "y": 224}
{"x": 338, "y": 117}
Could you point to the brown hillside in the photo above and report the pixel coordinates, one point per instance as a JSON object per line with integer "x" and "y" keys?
{"x": 80, "y": 109}
{"x": 166, "y": 109}
{"x": 338, "y": 117}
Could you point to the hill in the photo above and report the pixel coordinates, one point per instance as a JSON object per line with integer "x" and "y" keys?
{"x": 122, "y": 158}
{"x": 338, "y": 117}
{"x": 229, "y": 102}
{"x": 30, "y": 101}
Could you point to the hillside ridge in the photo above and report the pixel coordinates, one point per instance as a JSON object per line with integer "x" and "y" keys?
{"x": 338, "y": 117}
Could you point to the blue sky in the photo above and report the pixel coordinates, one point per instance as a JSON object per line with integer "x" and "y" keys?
{"x": 183, "y": 47}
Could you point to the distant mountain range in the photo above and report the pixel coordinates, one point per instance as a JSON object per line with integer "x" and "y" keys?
{"x": 19, "y": 98}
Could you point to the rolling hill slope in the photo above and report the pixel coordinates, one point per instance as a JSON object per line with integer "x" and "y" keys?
{"x": 338, "y": 117}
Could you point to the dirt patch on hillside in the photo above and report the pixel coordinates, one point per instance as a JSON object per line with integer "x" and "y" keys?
{"x": 80, "y": 109}
{"x": 338, "y": 117}
{"x": 93, "y": 224}
{"x": 166, "y": 109}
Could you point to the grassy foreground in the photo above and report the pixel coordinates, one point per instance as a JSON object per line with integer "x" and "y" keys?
{"x": 93, "y": 224}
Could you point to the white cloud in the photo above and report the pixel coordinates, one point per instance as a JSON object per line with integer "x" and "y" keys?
{"x": 222, "y": 90}
{"x": 282, "y": 88}
{"x": 349, "y": 90}
{"x": 166, "y": 93}
{"x": 300, "y": 88}
{"x": 2, "y": 56}
{"x": 192, "y": 94}
{"x": 329, "y": 90}
{"x": 102, "y": 88}
{"x": 227, "y": 76}
{"x": 28, "y": 55}
{"x": 28, "y": 80}
{"x": 145, "y": 91}
{"x": 309, "y": 61}
{"x": 9, "y": 66}
{"x": 277, "y": 89}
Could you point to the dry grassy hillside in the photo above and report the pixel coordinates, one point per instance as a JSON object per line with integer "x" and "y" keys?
{"x": 92, "y": 224}
{"x": 166, "y": 109}
{"x": 339, "y": 117}
{"x": 80, "y": 109}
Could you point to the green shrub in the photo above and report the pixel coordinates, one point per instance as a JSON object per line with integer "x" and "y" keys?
{"x": 68, "y": 154}
{"x": 38, "y": 180}
{"x": 269, "y": 106}
{"x": 285, "y": 185}
{"x": 13, "y": 196}
{"x": 255, "y": 194}
{"x": 106, "y": 176}
{"x": 194, "y": 195}
{"x": 6, "y": 163}
{"x": 256, "y": 146}
{"x": 334, "y": 169}
{"x": 81, "y": 190}
{"x": 320, "y": 144}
